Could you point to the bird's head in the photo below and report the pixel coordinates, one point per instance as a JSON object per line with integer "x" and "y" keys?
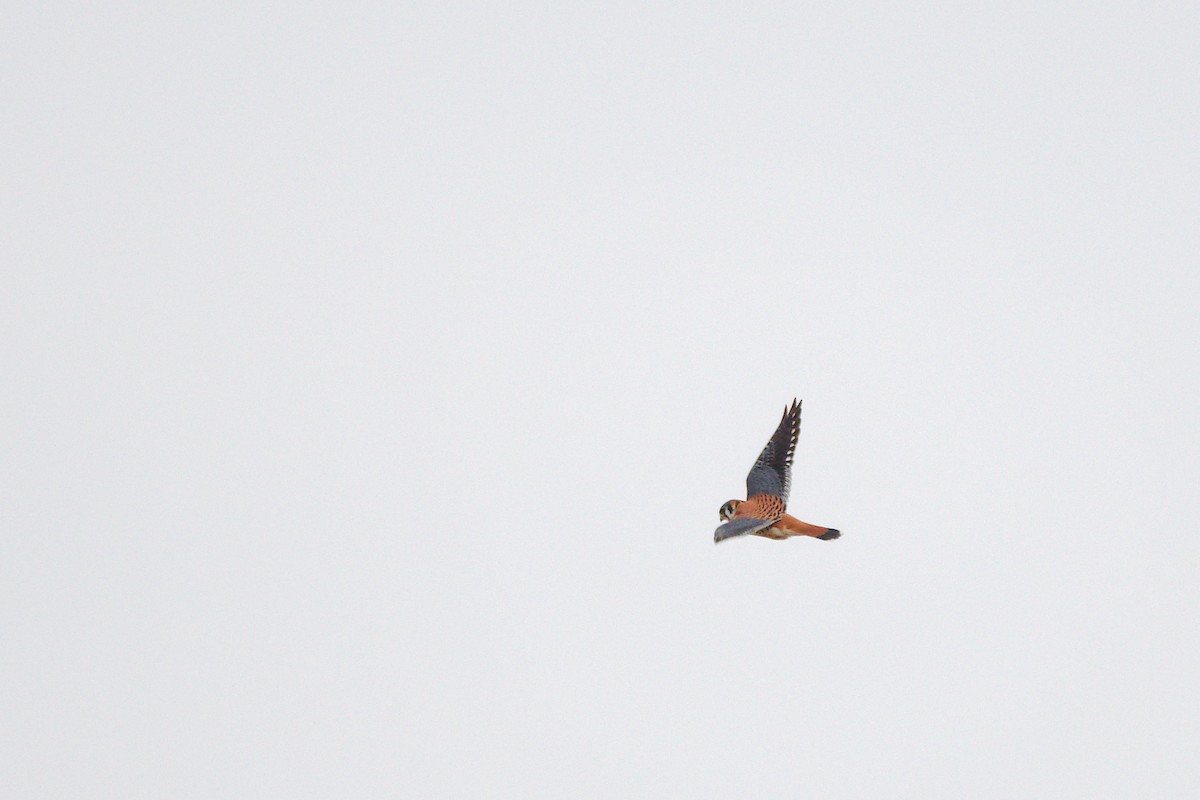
{"x": 727, "y": 510}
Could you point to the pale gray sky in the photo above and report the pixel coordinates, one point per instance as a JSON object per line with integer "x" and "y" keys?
{"x": 373, "y": 375}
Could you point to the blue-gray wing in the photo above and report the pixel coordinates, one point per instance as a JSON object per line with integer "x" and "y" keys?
{"x": 740, "y": 527}
{"x": 772, "y": 473}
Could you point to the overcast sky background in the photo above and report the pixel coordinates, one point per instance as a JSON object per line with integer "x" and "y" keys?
{"x": 373, "y": 373}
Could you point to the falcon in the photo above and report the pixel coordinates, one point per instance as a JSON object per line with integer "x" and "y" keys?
{"x": 767, "y": 489}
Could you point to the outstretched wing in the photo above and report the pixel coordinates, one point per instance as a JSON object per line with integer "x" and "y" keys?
{"x": 772, "y": 473}
{"x": 740, "y": 527}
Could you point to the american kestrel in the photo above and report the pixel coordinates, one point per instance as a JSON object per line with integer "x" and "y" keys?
{"x": 767, "y": 489}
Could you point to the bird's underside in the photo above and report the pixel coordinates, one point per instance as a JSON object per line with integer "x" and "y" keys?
{"x": 785, "y": 527}
{"x": 788, "y": 526}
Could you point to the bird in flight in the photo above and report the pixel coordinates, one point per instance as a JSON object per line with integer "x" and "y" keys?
{"x": 767, "y": 489}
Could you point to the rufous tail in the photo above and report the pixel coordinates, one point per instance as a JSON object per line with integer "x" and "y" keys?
{"x": 794, "y": 525}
